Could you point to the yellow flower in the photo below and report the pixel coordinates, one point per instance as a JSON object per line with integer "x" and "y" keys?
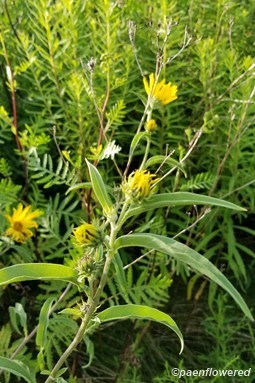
{"x": 151, "y": 126}
{"x": 21, "y": 220}
{"x": 140, "y": 184}
{"x": 162, "y": 92}
{"x": 87, "y": 235}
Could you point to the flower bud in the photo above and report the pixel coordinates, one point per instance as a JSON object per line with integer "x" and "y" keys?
{"x": 139, "y": 184}
{"x": 86, "y": 266}
{"x": 87, "y": 235}
{"x": 151, "y": 126}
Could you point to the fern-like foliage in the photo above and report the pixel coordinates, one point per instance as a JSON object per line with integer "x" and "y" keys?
{"x": 116, "y": 114}
{"x": 22, "y": 254}
{"x": 8, "y": 192}
{"x": 5, "y": 336}
{"x": 198, "y": 182}
{"x": 46, "y": 173}
{"x": 150, "y": 291}
{"x": 56, "y": 227}
{"x": 55, "y": 288}
{"x": 5, "y": 168}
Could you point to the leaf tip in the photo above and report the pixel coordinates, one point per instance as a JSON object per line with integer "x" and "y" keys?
{"x": 182, "y": 346}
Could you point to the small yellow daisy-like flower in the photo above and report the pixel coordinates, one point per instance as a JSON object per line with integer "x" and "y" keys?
{"x": 87, "y": 235}
{"x": 140, "y": 184}
{"x": 151, "y": 126}
{"x": 162, "y": 92}
{"x": 21, "y": 221}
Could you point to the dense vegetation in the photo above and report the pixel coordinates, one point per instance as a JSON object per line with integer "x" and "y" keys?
{"x": 72, "y": 80}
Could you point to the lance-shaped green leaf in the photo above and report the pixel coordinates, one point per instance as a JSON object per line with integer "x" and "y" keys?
{"x": 18, "y": 317}
{"x": 90, "y": 350}
{"x": 160, "y": 159}
{"x": 87, "y": 185}
{"x": 136, "y": 140}
{"x": 186, "y": 255}
{"x": 140, "y": 312}
{"x": 121, "y": 277}
{"x": 81, "y": 185}
{"x": 41, "y": 335}
{"x": 17, "y": 368}
{"x": 178, "y": 199}
{"x": 37, "y": 271}
{"x": 71, "y": 311}
{"x": 99, "y": 188}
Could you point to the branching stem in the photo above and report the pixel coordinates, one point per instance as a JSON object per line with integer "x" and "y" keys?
{"x": 91, "y": 308}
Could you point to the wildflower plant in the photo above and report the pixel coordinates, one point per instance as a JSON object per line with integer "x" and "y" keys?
{"x": 98, "y": 246}
{"x": 98, "y": 243}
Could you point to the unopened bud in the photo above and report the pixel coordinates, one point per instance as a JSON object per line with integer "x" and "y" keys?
{"x": 87, "y": 235}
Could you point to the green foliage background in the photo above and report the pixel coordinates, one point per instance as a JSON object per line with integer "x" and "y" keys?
{"x": 47, "y": 45}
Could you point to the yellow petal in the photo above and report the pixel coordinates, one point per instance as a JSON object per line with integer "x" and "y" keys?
{"x": 152, "y": 82}
{"x": 146, "y": 85}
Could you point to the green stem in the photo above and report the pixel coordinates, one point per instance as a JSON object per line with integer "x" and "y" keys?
{"x": 146, "y": 152}
{"x": 122, "y": 213}
{"x": 147, "y": 112}
{"x": 70, "y": 348}
{"x": 93, "y": 304}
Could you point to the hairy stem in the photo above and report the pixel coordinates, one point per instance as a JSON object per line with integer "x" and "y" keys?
{"x": 92, "y": 306}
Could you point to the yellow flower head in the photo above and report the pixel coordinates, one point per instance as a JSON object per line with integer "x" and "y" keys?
{"x": 139, "y": 184}
{"x": 87, "y": 235}
{"x": 162, "y": 92}
{"x": 21, "y": 220}
{"x": 151, "y": 126}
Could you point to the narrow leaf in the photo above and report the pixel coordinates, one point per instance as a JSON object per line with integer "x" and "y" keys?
{"x": 37, "y": 271}
{"x": 90, "y": 350}
{"x": 121, "y": 277}
{"x": 41, "y": 335}
{"x": 160, "y": 159}
{"x": 186, "y": 255}
{"x": 17, "y": 368}
{"x": 81, "y": 185}
{"x": 18, "y": 316}
{"x": 179, "y": 199}
{"x": 135, "y": 141}
{"x": 99, "y": 188}
{"x": 71, "y": 311}
{"x": 140, "y": 312}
